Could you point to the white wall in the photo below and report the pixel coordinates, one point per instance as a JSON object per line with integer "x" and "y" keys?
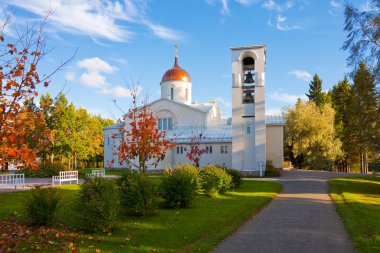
{"x": 275, "y": 145}
{"x": 179, "y": 91}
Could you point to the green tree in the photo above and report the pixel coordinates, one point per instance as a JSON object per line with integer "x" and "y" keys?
{"x": 310, "y": 133}
{"x": 363, "y": 116}
{"x": 363, "y": 36}
{"x": 341, "y": 102}
{"x": 315, "y": 90}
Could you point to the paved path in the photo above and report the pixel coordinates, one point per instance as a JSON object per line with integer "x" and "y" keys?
{"x": 301, "y": 219}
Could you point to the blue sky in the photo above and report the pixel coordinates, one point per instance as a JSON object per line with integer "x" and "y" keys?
{"x": 123, "y": 41}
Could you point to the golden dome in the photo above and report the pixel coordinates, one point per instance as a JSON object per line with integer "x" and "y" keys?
{"x": 176, "y": 73}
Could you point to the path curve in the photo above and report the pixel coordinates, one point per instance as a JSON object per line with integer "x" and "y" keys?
{"x": 301, "y": 219}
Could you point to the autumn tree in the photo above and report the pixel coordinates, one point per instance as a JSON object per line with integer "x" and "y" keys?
{"x": 20, "y": 125}
{"x": 140, "y": 138}
{"x": 363, "y": 36}
{"x": 195, "y": 152}
{"x": 310, "y": 133}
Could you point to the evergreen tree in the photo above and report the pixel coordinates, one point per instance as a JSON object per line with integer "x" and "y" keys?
{"x": 363, "y": 116}
{"x": 341, "y": 98}
{"x": 315, "y": 90}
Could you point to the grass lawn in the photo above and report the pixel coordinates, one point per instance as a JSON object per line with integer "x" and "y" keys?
{"x": 196, "y": 229}
{"x": 358, "y": 203}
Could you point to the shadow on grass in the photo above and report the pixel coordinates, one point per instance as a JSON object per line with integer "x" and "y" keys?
{"x": 358, "y": 202}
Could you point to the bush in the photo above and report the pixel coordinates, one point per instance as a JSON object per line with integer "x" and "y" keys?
{"x": 138, "y": 194}
{"x": 41, "y": 205}
{"x": 180, "y": 186}
{"x": 236, "y": 177}
{"x": 271, "y": 171}
{"x": 98, "y": 205}
{"x": 43, "y": 171}
{"x": 214, "y": 180}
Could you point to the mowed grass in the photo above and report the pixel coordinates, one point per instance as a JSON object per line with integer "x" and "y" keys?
{"x": 196, "y": 229}
{"x": 358, "y": 203}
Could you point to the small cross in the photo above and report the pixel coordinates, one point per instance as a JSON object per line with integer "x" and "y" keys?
{"x": 176, "y": 50}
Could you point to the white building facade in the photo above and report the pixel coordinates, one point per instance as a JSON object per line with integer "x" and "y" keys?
{"x": 245, "y": 142}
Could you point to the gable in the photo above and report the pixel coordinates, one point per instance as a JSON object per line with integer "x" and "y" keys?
{"x": 183, "y": 115}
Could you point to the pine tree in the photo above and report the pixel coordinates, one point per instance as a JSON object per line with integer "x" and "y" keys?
{"x": 315, "y": 90}
{"x": 341, "y": 97}
{"x": 363, "y": 116}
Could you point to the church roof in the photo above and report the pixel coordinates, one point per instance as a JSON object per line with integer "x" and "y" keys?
{"x": 204, "y": 107}
{"x": 176, "y": 73}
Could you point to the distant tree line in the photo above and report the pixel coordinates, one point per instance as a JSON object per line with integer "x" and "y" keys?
{"x": 340, "y": 128}
{"x": 77, "y": 135}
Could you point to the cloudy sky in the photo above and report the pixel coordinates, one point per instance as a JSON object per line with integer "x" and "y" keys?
{"x": 125, "y": 41}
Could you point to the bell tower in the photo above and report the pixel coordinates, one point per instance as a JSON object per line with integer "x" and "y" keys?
{"x": 248, "y": 108}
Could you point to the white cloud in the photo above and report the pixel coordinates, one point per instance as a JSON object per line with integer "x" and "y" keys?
{"x": 272, "y": 5}
{"x": 225, "y": 10}
{"x": 93, "y": 79}
{"x": 281, "y": 18}
{"x": 335, "y": 4}
{"x": 273, "y": 111}
{"x": 223, "y": 102}
{"x": 163, "y": 32}
{"x": 70, "y": 76}
{"x": 301, "y": 74}
{"x": 286, "y": 98}
{"x": 95, "y": 18}
{"x": 282, "y": 26}
{"x": 96, "y": 64}
{"x": 246, "y": 2}
{"x": 119, "y": 91}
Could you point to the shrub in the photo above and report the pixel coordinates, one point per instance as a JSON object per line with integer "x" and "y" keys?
{"x": 138, "y": 194}
{"x": 180, "y": 186}
{"x": 48, "y": 170}
{"x": 271, "y": 171}
{"x": 98, "y": 205}
{"x": 236, "y": 177}
{"x": 41, "y": 205}
{"x": 214, "y": 180}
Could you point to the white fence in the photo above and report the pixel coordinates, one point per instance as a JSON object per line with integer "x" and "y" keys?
{"x": 65, "y": 176}
{"x": 12, "y": 180}
{"x": 96, "y": 173}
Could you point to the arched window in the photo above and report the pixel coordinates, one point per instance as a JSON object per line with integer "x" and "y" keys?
{"x": 171, "y": 93}
{"x": 187, "y": 94}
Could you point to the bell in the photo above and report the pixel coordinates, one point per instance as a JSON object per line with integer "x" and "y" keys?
{"x": 249, "y": 78}
{"x": 248, "y": 98}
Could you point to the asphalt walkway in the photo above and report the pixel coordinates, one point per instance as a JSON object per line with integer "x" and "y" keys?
{"x": 301, "y": 219}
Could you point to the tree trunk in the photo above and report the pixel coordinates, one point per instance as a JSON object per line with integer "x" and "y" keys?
{"x": 75, "y": 160}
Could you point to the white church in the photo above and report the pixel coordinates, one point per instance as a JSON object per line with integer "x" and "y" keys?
{"x": 245, "y": 141}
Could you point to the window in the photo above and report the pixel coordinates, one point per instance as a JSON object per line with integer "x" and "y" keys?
{"x": 222, "y": 149}
{"x": 177, "y": 150}
{"x": 187, "y": 94}
{"x": 225, "y": 149}
{"x": 165, "y": 124}
{"x": 181, "y": 150}
{"x": 171, "y": 93}
{"x": 108, "y": 141}
{"x": 248, "y": 130}
{"x": 208, "y": 150}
